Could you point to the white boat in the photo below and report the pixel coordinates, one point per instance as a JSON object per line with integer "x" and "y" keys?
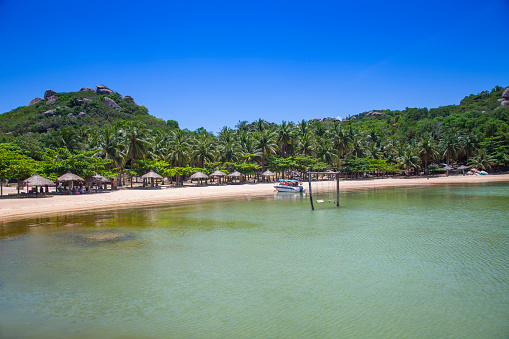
{"x": 289, "y": 186}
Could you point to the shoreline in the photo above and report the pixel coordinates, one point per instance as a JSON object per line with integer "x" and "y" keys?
{"x": 31, "y": 208}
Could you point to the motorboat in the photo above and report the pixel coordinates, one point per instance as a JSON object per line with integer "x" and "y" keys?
{"x": 288, "y": 185}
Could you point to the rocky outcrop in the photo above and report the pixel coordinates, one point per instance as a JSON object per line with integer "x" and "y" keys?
{"x": 101, "y": 89}
{"x": 128, "y": 98}
{"x": 372, "y": 113}
{"x": 79, "y": 102}
{"x": 111, "y": 103}
{"x": 49, "y": 93}
{"x": 87, "y": 99}
{"x": 70, "y": 115}
{"x": 505, "y": 95}
{"x": 86, "y": 89}
{"x": 34, "y": 101}
{"x": 82, "y": 114}
{"x": 105, "y": 91}
{"x": 49, "y": 113}
{"x": 51, "y": 100}
{"x": 505, "y": 103}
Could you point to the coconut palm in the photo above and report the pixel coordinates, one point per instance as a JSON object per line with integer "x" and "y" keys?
{"x": 203, "y": 148}
{"x": 111, "y": 147}
{"x": 137, "y": 140}
{"x": 285, "y": 136}
{"x": 341, "y": 142}
{"x": 266, "y": 144}
{"x": 410, "y": 160}
{"x": 428, "y": 150}
{"x": 450, "y": 147}
{"x": 178, "y": 148}
{"x": 482, "y": 160}
{"x": 305, "y": 144}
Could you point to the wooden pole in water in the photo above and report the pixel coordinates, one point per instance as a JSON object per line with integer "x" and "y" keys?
{"x": 337, "y": 189}
{"x": 310, "y": 193}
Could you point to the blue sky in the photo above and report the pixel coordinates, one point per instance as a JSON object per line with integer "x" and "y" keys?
{"x": 213, "y": 63}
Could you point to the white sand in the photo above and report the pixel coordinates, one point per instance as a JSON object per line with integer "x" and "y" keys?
{"x": 12, "y": 209}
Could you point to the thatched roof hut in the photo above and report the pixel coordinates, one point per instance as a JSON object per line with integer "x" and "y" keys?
{"x": 69, "y": 177}
{"x": 97, "y": 179}
{"x": 37, "y": 180}
{"x": 218, "y": 173}
{"x": 151, "y": 175}
{"x": 199, "y": 176}
{"x": 235, "y": 174}
{"x": 268, "y": 173}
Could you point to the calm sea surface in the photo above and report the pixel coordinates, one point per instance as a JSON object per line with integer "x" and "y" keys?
{"x": 420, "y": 262}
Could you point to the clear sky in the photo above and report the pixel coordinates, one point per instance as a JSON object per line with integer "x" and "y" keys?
{"x": 213, "y": 63}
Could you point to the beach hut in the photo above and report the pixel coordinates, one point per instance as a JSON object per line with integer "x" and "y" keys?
{"x": 69, "y": 179}
{"x": 37, "y": 181}
{"x": 462, "y": 168}
{"x": 218, "y": 174}
{"x": 153, "y": 177}
{"x": 268, "y": 174}
{"x": 236, "y": 175}
{"x": 199, "y": 176}
{"x": 97, "y": 180}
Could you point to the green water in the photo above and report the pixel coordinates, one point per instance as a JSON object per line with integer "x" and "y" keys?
{"x": 425, "y": 262}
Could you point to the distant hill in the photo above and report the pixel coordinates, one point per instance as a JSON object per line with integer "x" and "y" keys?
{"x": 86, "y": 107}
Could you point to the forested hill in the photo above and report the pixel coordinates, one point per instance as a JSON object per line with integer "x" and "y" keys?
{"x": 86, "y": 107}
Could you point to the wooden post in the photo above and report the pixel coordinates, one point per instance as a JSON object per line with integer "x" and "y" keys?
{"x": 310, "y": 193}
{"x": 337, "y": 189}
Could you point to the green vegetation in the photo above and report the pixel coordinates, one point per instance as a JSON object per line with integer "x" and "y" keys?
{"x": 130, "y": 141}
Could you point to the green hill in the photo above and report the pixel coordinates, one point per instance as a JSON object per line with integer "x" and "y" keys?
{"x": 75, "y": 109}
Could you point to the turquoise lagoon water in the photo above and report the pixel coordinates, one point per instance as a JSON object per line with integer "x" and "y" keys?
{"x": 420, "y": 262}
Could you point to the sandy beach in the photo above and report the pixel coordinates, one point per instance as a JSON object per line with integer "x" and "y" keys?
{"x": 23, "y": 208}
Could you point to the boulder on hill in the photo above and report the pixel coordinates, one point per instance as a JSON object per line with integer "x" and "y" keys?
{"x": 86, "y": 89}
{"x": 111, "y": 103}
{"x": 87, "y": 99}
{"x": 505, "y": 103}
{"x": 70, "y": 115}
{"x": 102, "y": 91}
{"x": 79, "y": 102}
{"x": 128, "y": 98}
{"x": 506, "y": 93}
{"x": 49, "y": 93}
{"x": 49, "y": 113}
{"x": 101, "y": 87}
{"x": 51, "y": 100}
{"x": 34, "y": 101}
{"x": 82, "y": 114}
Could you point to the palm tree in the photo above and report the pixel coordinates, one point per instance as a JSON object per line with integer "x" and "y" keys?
{"x": 266, "y": 143}
{"x": 111, "y": 147}
{"x": 137, "y": 140}
{"x": 203, "y": 148}
{"x": 178, "y": 148}
{"x": 341, "y": 142}
{"x": 285, "y": 137}
{"x": 305, "y": 144}
{"x": 325, "y": 151}
{"x": 409, "y": 160}
{"x": 428, "y": 150}
{"x": 450, "y": 147}
{"x": 482, "y": 160}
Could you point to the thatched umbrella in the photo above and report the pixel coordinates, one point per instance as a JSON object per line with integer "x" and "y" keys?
{"x": 153, "y": 176}
{"x": 70, "y": 178}
{"x": 236, "y": 174}
{"x": 463, "y": 168}
{"x": 218, "y": 174}
{"x": 38, "y": 181}
{"x": 268, "y": 173}
{"x": 199, "y": 176}
{"x": 97, "y": 179}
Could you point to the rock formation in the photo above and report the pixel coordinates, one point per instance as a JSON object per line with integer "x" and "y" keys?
{"x": 51, "y": 100}
{"x": 506, "y": 93}
{"x": 82, "y": 114}
{"x": 34, "y": 101}
{"x": 49, "y": 113}
{"x": 86, "y": 89}
{"x": 111, "y": 103}
{"x": 49, "y": 93}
